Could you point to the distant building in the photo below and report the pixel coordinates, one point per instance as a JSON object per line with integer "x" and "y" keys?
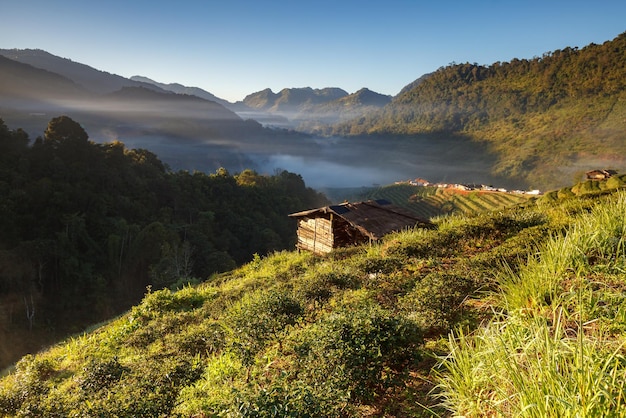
{"x": 320, "y": 230}
{"x": 420, "y": 182}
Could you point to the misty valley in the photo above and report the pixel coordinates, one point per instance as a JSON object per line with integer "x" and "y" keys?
{"x": 165, "y": 221}
{"x": 323, "y": 162}
{"x": 331, "y": 162}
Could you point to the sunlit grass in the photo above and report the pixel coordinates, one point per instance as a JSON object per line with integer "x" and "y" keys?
{"x": 558, "y": 348}
{"x": 533, "y": 368}
{"x": 289, "y": 331}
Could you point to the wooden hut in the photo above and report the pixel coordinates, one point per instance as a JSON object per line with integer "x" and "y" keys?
{"x": 320, "y": 230}
{"x": 600, "y": 174}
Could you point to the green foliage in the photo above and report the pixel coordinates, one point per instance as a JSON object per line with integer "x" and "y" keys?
{"x": 361, "y": 350}
{"x": 537, "y": 290}
{"x": 285, "y": 399}
{"x": 259, "y": 318}
{"x": 436, "y": 303}
{"x": 532, "y": 368}
{"x": 86, "y": 227}
{"x": 29, "y": 386}
{"x": 101, "y": 375}
{"x": 322, "y": 281}
{"x": 558, "y": 348}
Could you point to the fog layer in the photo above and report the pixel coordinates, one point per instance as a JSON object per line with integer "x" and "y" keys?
{"x": 193, "y": 134}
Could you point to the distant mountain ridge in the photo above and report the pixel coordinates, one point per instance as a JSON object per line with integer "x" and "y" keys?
{"x": 26, "y": 83}
{"x": 291, "y": 99}
{"x": 180, "y": 89}
{"x": 88, "y": 77}
{"x": 309, "y": 109}
{"x": 305, "y": 108}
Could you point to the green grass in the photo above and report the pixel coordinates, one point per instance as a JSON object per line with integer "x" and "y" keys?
{"x": 517, "y": 312}
{"x": 557, "y": 348}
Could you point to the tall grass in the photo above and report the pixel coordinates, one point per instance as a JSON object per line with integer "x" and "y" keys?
{"x": 533, "y": 368}
{"x": 593, "y": 244}
{"x": 558, "y": 350}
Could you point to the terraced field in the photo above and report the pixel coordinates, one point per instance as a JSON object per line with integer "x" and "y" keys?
{"x": 428, "y": 202}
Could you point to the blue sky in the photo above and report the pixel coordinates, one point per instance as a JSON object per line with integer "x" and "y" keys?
{"x": 236, "y": 47}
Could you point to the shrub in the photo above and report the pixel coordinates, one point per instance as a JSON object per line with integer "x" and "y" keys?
{"x": 380, "y": 264}
{"x": 260, "y": 317}
{"x": 319, "y": 284}
{"x": 202, "y": 339}
{"x": 146, "y": 390}
{"x": 98, "y": 375}
{"x": 158, "y": 328}
{"x": 29, "y": 387}
{"x": 436, "y": 302}
{"x": 363, "y": 350}
{"x": 288, "y": 399}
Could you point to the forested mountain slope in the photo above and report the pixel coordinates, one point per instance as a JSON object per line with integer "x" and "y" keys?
{"x": 533, "y": 294}
{"x": 547, "y": 119}
{"x": 85, "y": 227}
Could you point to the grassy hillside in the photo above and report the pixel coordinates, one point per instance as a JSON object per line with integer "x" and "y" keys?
{"x": 547, "y": 119}
{"x": 533, "y": 296}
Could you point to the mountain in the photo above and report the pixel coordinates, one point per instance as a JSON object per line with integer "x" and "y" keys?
{"x": 88, "y": 77}
{"x": 180, "y": 89}
{"x": 23, "y": 83}
{"x": 139, "y": 114}
{"x": 290, "y": 100}
{"x": 546, "y": 119}
{"x": 414, "y": 84}
{"x": 316, "y": 118}
{"x": 307, "y": 109}
{"x": 365, "y": 97}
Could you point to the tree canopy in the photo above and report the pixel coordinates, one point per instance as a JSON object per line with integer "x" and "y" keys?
{"x": 85, "y": 227}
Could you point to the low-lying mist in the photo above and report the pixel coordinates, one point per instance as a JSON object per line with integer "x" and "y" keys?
{"x": 334, "y": 162}
{"x": 189, "y": 135}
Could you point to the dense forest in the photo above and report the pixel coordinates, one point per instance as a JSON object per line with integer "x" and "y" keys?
{"x": 538, "y": 115}
{"x": 86, "y": 227}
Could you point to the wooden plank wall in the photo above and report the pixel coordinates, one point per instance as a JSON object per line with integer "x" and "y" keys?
{"x": 315, "y": 234}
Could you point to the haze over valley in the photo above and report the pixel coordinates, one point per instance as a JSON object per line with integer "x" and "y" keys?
{"x": 194, "y": 133}
{"x": 316, "y": 209}
{"x": 464, "y": 123}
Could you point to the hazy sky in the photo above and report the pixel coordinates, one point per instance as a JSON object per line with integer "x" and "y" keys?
{"x": 236, "y": 47}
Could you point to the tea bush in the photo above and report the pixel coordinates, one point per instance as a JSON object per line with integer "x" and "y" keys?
{"x": 203, "y": 339}
{"x": 260, "y": 317}
{"x": 30, "y": 384}
{"x": 98, "y": 375}
{"x": 361, "y": 350}
{"x": 320, "y": 282}
{"x": 436, "y": 302}
{"x": 288, "y": 399}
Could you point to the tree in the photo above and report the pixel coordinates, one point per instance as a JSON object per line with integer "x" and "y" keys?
{"x": 63, "y": 128}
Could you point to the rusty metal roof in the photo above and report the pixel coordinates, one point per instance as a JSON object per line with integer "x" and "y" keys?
{"x": 374, "y": 218}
